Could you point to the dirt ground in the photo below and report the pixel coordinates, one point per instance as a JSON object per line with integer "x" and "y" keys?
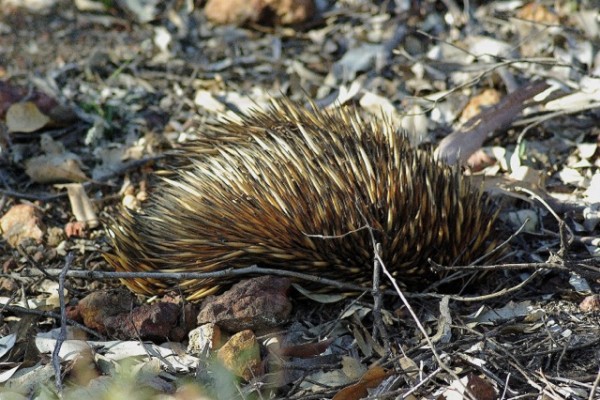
{"x": 96, "y": 96}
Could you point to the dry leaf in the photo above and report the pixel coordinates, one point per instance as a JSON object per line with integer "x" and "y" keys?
{"x": 53, "y": 168}
{"x": 305, "y": 350}
{"x": 319, "y": 297}
{"x": 475, "y": 106}
{"x": 410, "y": 368}
{"x": 353, "y": 368}
{"x": 534, "y": 11}
{"x": 57, "y": 165}
{"x": 460, "y": 144}
{"x": 25, "y": 117}
{"x": 371, "y": 379}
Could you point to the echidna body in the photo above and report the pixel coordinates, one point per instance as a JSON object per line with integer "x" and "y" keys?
{"x": 296, "y": 189}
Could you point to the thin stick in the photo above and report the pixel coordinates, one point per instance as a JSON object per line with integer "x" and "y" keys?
{"x": 62, "y": 336}
{"x": 595, "y": 386}
{"x": 225, "y": 273}
{"x": 378, "y": 326}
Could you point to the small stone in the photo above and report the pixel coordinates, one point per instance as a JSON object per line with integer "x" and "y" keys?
{"x": 55, "y": 236}
{"x": 258, "y": 304}
{"x": 97, "y": 307}
{"x": 21, "y": 222}
{"x": 590, "y": 303}
{"x": 241, "y": 355}
{"x": 205, "y": 337}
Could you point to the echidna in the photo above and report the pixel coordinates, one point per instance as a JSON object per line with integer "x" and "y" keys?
{"x": 291, "y": 188}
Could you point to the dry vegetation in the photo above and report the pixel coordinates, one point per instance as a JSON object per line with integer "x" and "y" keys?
{"x": 94, "y": 94}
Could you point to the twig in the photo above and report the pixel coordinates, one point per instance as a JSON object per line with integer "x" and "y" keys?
{"x": 62, "y": 336}
{"x": 402, "y": 393}
{"x": 226, "y": 273}
{"x": 499, "y": 293}
{"x": 501, "y": 245}
{"x": 460, "y": 144}
{"x": 415, "y": 318}
{"x": 508, "y": 266}
{"x": 594, "y": 386}
{"x": 378, "y": 326}
{"x": 580, "y": 267}
{"x": 549, "y": 390}
{"x": 50, "y": 197}
{"x": 565, "y": 242}
{"x": 474, "y": 265}
{"x": 49, "y": 314}
{"x": 505, "y": 388}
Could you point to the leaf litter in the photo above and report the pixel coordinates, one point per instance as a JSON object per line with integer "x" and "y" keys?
{"x": 113, "y": 85}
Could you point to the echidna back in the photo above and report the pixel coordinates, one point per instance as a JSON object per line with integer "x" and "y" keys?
{"x": 303, "y": 190}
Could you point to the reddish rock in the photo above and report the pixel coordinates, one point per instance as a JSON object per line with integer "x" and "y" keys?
{"x": 96, "y": 308}
{"x": 115, "y": 313}
{"x": 258, "y": 304}
{"x": 149, "y": 321}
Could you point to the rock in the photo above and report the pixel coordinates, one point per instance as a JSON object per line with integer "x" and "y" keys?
{"x": 258, "y": 304}
{"x": 267, "y": 12}
{"x": 21, "y": 222}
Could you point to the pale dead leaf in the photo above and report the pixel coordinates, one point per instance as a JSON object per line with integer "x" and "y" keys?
{"x": 69, "y": 350}
{"x": 57, "y": 165}
{"x": 25, "y": 117}
{"x": 89, "y": 5}
{"x": 6, "y": 343}
{"x": 55, "y": 168}
{"x": 571, "y": 176}
{"x": 6, "y": 375}
{"x": 319, "y": 297}
{"x": 315, "y": 381}
{"x": 587, "y": 150}
{"x": 528, "y": 219}
{"x": 593, "y": 191}
{"x": 50, "y": 146}
{"x": 30, "y": 378}
{"x": 143, "y": 10}
{"x": 206, "y": 100}
{"x": 352, "y": 367}
{"x": 410, "y": 368}
{"x": 529, "y": 177}
{"x": 512, "y": 310}
{"x": 591, "y": 216}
